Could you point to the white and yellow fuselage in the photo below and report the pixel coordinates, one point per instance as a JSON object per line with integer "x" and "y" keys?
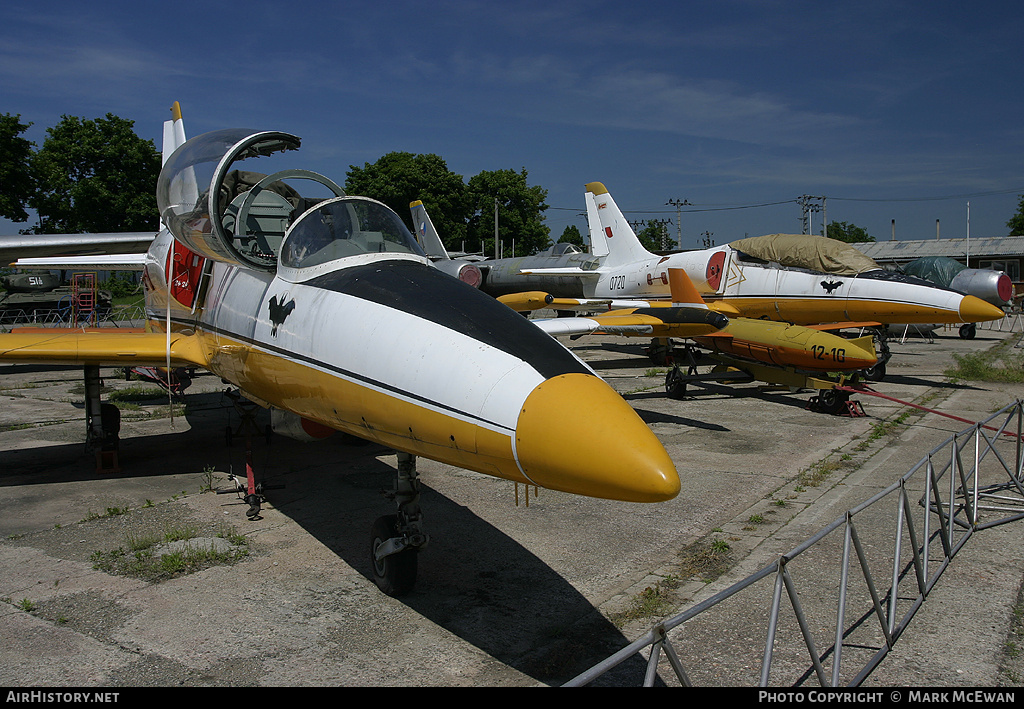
{"x": 328, "y": 310}
{"x": 389, "y": 349}
{"x": 740, "y": 286}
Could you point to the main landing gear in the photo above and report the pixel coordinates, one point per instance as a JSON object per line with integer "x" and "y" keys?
{"x": 395, "y": 540}
{"x": 103, "y": 424}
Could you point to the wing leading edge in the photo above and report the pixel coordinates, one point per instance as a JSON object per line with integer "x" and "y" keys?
{"x": 109, "y": 347}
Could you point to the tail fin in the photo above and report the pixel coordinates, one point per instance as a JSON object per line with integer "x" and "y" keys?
{"x": 609, "y": 226}
{"x": 598, "y": 242}
{"x": 684, "y": 293}
{"x": 174, "y": 132}
{"x": 185, "y": 191}
{"x": 426, "y": 233}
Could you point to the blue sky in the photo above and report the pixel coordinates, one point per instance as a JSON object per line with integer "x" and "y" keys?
{"x": 891, "y": 110}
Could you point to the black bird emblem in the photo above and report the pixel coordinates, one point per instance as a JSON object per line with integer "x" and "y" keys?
{"x": 830, "y": 286}
{"x": 279, "y": 311}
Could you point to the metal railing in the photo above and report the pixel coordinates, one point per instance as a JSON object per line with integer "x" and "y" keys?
{"x": 970, "y": 482}
{"x": 1011, "y": 322}
{"x": 117, "y": 316}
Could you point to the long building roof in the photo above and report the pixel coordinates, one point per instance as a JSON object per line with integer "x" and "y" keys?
{"x": 985, "y": 247}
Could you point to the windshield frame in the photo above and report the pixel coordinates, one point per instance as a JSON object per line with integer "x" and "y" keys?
{"x": 312, "y": 247}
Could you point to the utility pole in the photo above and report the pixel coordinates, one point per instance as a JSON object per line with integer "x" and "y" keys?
{"x": 805, "y": 210}
{"x": 708, "y": 241}
{"x": 663, "y": 231}
{"x": 679, "y": 219}
{"x": 660, "y": 223}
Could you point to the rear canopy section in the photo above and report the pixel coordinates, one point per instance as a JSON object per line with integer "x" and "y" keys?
{"x": 229, "y": 214}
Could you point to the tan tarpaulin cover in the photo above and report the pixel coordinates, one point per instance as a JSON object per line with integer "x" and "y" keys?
{"x": 815, "y": 253}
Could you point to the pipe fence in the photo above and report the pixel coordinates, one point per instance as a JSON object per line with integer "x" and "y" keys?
{"x": 118, "y": 316}
{"x": 830, "y": 610}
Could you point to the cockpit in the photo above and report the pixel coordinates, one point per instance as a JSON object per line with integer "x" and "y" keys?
{"x": 343, "y": 227}
{"x": 263, "y": 221}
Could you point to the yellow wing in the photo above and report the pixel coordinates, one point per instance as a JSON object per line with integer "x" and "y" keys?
{"x": 110, "y": 347}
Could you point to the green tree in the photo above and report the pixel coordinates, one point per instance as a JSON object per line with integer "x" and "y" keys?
{"x": 16, "y": 183}
{"x": 1016, "y": 222}
{"x": 651, "y": 237}
{"x": 398, "y": 179}
{"x": 850, "y": 233}
{"x": 571, "y": 235}
{"x": 95, "y": 176}
{"x": 520, "y": 212}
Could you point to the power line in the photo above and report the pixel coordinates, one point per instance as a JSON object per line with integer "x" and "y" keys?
{"x": 725, "y": 208}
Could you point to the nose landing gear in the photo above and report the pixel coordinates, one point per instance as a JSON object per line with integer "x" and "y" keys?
{"x": 396, "y": 540}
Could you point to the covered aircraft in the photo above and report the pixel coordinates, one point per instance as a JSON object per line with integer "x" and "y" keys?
{"x": 328, "y": 311}
{"x": 794, "y": 278}
{"x": 991, "y": 286}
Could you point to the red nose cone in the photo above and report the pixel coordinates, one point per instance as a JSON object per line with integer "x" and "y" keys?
{"x": 1005, "y": 288}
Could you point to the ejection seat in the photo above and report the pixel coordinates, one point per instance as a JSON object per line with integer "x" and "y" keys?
{"x": 259, "y": 216}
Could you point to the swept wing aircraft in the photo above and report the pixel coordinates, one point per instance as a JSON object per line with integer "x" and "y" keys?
{"x": 755, "y": 278}
{"x": 328, "y": 311}
{"x": 504, "y": 276}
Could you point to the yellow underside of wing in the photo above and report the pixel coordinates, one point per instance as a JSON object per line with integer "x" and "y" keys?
{"x": 106, "y": 347}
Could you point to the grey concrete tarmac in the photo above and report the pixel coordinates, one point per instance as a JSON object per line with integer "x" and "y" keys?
{"x": 512, "y": 590}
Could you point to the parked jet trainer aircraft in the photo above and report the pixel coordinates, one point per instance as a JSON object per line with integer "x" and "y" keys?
{"x": 759, "y": 277}
{"x": 329, "y": 312}
{"x": 774, "y": 352}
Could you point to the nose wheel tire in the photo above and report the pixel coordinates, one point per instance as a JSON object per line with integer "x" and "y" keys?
{"x": 675, "y": 383}
{"x": 394, "y": 574}
{"x": 831, "y": 401}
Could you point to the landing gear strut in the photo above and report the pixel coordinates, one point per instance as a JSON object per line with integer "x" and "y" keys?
{"x": 251, "y": 490}
{"x": 395, "y": 540}
{"x": 103, "y": 424}
{"x": 876, "y": 372}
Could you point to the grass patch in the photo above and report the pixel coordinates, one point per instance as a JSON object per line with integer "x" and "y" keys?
{"x": 818, "y": 473}
{"x": 141, "y": 556}
{"x": 705, "y": 560}
{"x": 110, "y": 512}
{"x": 886, "y": 428}
{"x": 136, "y": 393}
{"x": 653, "y": 602}
{"x": 999, "y": 363}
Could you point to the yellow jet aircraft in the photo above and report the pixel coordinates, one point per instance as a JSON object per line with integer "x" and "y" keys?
{"x": 328, "y": 311}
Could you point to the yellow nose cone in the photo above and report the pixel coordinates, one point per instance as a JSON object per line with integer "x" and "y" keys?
{"x": 974, "y": 309}
{"x": 576, "y": 434}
